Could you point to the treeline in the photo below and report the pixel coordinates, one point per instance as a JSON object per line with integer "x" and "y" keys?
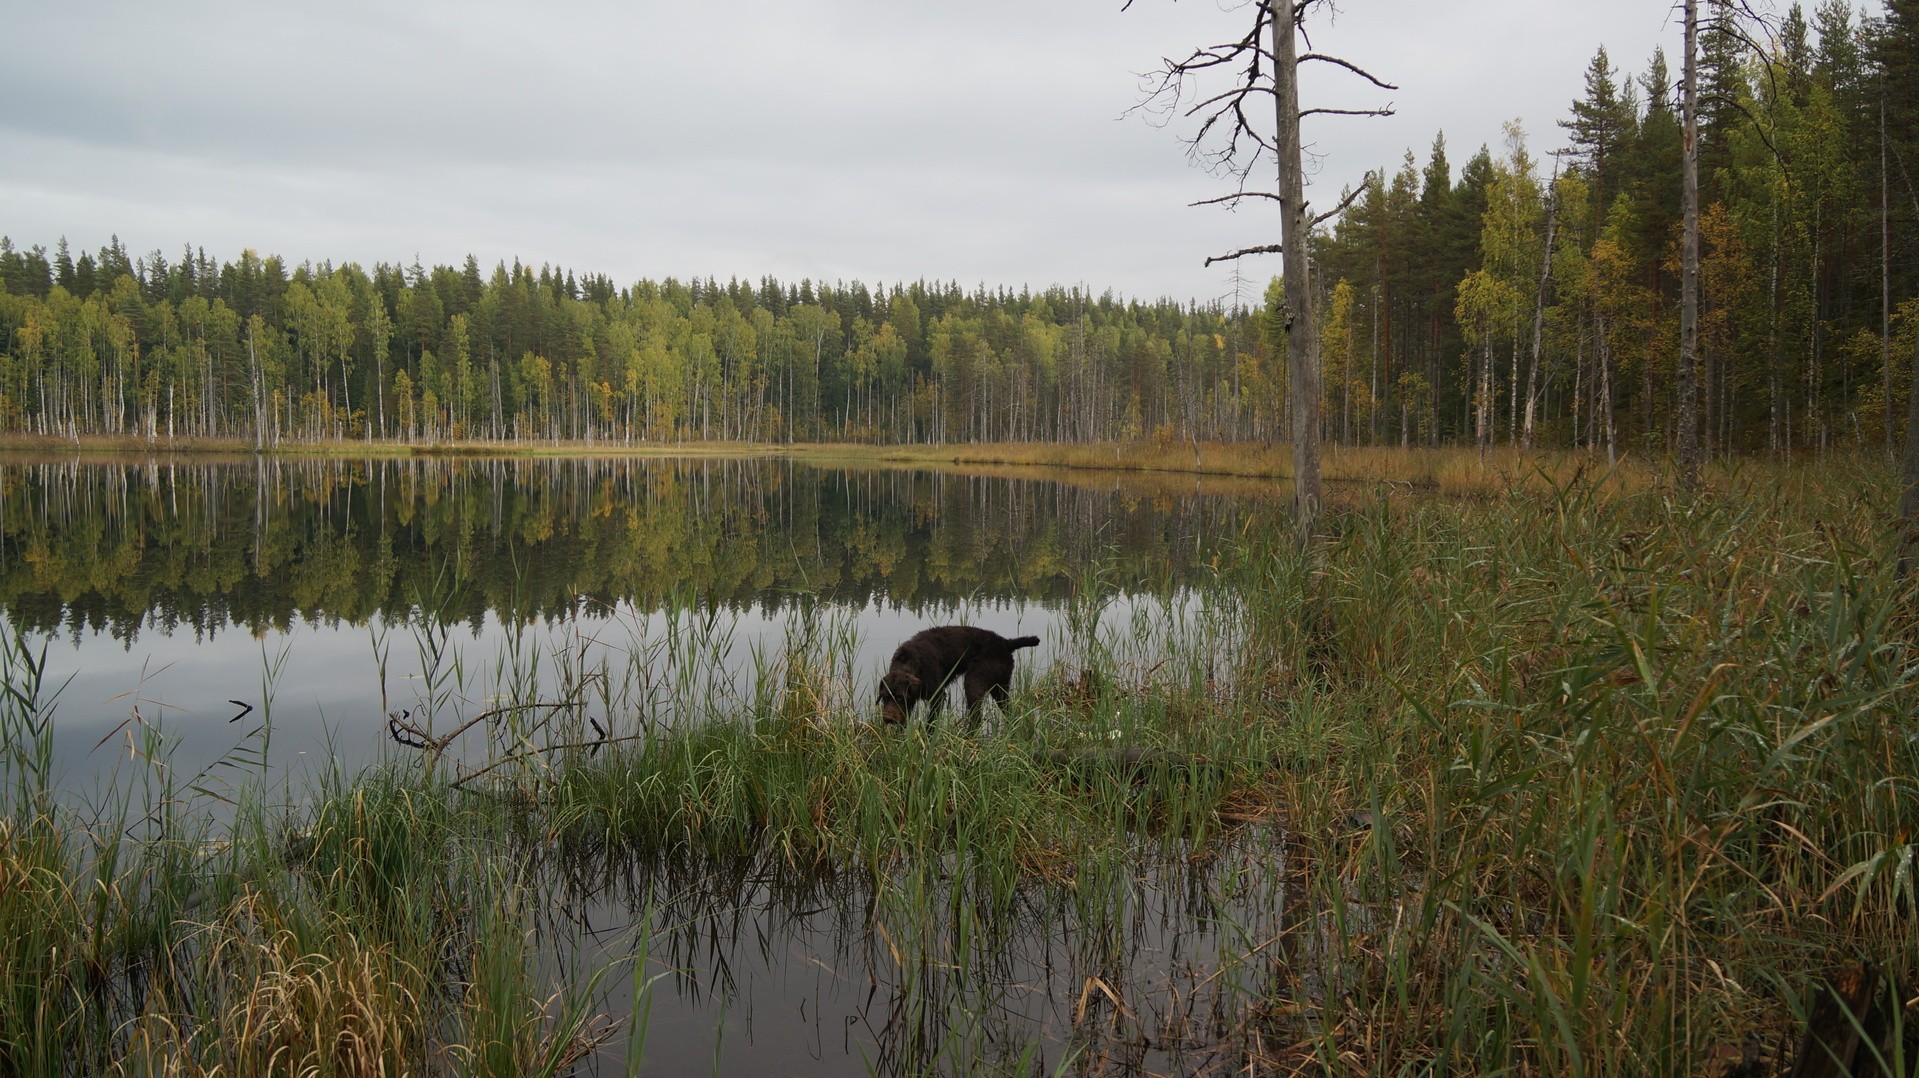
{"x": 105, "y": 344}
{"x": 1498, "y": 305}
{"x": 1537, "y": 301}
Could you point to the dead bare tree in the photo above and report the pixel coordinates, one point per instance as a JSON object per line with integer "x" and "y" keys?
{"x": 1229, "y": 140}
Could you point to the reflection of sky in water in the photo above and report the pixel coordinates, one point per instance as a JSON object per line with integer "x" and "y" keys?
{"x": 140, "y": 580}
{"x": 326, "y": 704}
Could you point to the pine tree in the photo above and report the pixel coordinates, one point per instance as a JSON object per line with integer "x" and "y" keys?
{"x": 63, "y": 266}
{"x": 1600, "y": 126}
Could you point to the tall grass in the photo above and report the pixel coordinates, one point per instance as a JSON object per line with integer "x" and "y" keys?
{"x": 355, "y": 931}
{"x": 1639, "y": 770}
{"x": 1584, "y": 781}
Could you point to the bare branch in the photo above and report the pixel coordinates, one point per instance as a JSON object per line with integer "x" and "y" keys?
{"x": 1210, "y": 56}
{"x": 1387, "y": 111}
{"x": 1730, "y": 25}
{"x": 1264, "y": 249}
{"x": 1202, "y": 59}
{"x": 1259, "y": 139}
{"x": 401, "y": 726}
{"x": 1729, "y": 21}
{"x": 1235, "y": 196}
{"x": 1227, "y": 139}
{"x": 1757, "y": 127}
{"x": 534, "y": 753}
{"x": 1350, "y": 66}
{"x": 1364, "y": 183}
{"x": 1235, "y": 94}
{"x": 1228, "y": 157}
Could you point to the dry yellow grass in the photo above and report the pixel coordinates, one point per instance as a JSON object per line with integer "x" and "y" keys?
{"x": 339, "y": 1005}
{"x": 1451, "y": 470}
{"x": 1162, "y": 465}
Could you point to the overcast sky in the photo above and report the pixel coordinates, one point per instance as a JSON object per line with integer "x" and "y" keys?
{"x": 883, "y": 140}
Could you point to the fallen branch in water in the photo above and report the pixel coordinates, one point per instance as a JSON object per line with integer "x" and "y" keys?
{"x": 404, "y": 731}
{"x": 528, "y": 754}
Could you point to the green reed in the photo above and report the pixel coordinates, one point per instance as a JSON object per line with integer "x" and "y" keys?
{"x": 353, "y": 931}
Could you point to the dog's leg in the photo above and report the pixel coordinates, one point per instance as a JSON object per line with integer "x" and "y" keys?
{"x": 999, "y": 694}
{"x": 946, "y": 685}
{"x": 987, "y": 679}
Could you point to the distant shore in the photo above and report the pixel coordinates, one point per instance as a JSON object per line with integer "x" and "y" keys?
{"x": 1455, "y": 469}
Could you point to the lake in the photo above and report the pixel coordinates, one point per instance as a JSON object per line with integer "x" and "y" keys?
{"x": 257, "y": 621}
{"x": 190, "y": 589}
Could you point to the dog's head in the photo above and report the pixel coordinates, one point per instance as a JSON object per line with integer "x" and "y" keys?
{"x": 899, "y": 691}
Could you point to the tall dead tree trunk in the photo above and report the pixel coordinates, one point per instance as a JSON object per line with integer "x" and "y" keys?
{"x": 1483, "y": 397}
{"x": 1302, "y": 329}
{"x": 1605, "y": 411}
{"x": 1909, "y": 500}
{"x": 1689, "y": 272}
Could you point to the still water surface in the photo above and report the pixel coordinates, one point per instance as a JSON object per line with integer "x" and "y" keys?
{"x": 327, "y": 595}
{"x": 185, "y": 590}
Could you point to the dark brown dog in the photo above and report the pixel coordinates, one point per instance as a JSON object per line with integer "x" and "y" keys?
{"x": 929, "y": 661}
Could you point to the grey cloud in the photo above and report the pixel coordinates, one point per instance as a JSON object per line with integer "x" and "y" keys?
{"x": 876, "y": 139}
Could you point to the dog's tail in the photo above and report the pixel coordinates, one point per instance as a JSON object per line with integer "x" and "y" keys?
{"x": 1019, "y": 642}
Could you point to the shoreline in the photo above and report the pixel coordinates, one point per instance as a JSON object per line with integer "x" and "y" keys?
{"x": 1454, "y": 469}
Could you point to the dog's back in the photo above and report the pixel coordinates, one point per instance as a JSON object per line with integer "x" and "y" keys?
{"x": 986, "y": 641}
{"x": 949, "y": 646}
{"x": 931, "y": 659}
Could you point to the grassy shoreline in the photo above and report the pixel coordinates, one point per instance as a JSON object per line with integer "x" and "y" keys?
{"x": 1460, "y": 470}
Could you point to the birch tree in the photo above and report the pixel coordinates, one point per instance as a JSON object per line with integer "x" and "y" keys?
{"x": 1491, "y": 298}
{"x": 379, "y": 332}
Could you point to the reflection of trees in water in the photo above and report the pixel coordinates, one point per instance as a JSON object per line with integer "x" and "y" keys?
{"x": 1162, "y": 969}
{"x": 207, "y": 545}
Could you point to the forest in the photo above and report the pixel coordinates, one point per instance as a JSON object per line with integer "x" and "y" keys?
{"x": 1529, "y": 298}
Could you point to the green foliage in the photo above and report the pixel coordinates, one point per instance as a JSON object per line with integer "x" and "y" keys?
{"x": 250, "y": 350}
{"x": 1791, "y": 152}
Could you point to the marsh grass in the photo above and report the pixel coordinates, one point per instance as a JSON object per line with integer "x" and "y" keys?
{"x": 1452, "y": 471}
{"x": 1575, "y": 776}
{"x": 1639, "y": 771}
{"x": 1458, "y": 471}
{"x": 355, "y": 934}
